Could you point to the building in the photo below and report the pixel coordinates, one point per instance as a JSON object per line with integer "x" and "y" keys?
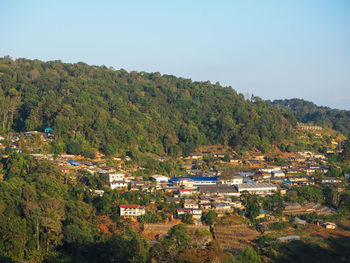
{"x": 118, "y": 184}
{"x": 231, "y": 180}
{"x": 115, "y": 177}
{"x": 160, "y": 179}
{"x": 330, "y": 225}
{"x": 131, "y": 210}
{"x": 197, "y": 180}
{"x": 304, "y": 127}
{"x": 331, "y": 180}
{"x": 220, "y": 189}
{"x": 279, "y": 173}
{"x": 268, "y": 169}
{"x": 190, "y": 203}
{"x": 184, "y": 182}
{"x": 257, "y": 188}
{"x": 186, "y": 192}
{"x": 196, "y": 213}
{"x": 222, "y": 207}
{"x": 237, "y": 204}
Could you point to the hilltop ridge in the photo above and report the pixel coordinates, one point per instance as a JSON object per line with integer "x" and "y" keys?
{"x": 114, "y": 111}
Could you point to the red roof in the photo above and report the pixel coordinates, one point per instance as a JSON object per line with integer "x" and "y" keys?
{"x": 186, "y": 190}
{"x": 129, "y": 206}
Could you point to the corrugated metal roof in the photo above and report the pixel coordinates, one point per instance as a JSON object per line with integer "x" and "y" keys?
{"x": 195, "y": 178}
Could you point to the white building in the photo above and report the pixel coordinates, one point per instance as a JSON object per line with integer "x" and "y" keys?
{"x": 232, "y": 180}
{"x": 131, "y": 210}
{"x": 185, "y": 182}
{"x": 186, "y": 192}
{"x": 116, "y": 177}
{"x": 279, "y": 173}
{"x": 189, "y": 203}
{"x": 118, "y": 184}
{"x": 257, "y": 188}
{"x": 160, "y": 179}
{"x": 268, "y": 169}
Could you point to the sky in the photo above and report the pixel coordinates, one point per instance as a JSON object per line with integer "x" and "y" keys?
{"x": 272, "y": 49}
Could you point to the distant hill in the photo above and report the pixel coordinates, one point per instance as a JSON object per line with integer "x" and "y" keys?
{"x": 306, "y": 111}
{"x": 116, "y": 111}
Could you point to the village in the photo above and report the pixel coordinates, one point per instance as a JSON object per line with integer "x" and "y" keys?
{"x": 222, "y": 187}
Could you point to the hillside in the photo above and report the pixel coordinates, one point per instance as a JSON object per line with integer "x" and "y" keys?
{"x": 306, "y": 111}
{"x": 115, "y": 111}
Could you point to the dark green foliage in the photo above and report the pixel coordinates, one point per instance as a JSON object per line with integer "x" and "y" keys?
{"x": 333, "y": 250}
{"x": 209, "y": 217}
{"x": 346, "y": 150}
{"x": 306, "y": 111}
{"x": 37, "y": 211}
{"x": 253, "y": 209}
{"x": 74, "y": 148}
{"x": 188, "y": 218}
{"x": 310, "y": 194}
{"x": 115, "y": 111}
{"x": 149, "y": 217}
{"x": 248, "y": 254}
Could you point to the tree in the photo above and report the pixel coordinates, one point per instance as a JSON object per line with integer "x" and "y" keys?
{"x": 209, "y": 217}
{"x": 346, "y": 150}
{"x": 179, "y": 233}
{"x": 74, "y": 148}
{"x": 248, "y": 254}
{"x": 188, "y": 219}
{"x": 253, "y": 209}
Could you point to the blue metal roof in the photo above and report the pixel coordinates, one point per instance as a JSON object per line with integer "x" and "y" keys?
{"x": 73, "y": 162}
{"x": 196, "y": 178}
{"x": 287, "y": 181}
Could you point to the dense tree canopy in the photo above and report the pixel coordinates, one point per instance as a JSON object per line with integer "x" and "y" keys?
{"x": 306, "y": 111}
{"x": 115, "y": 111}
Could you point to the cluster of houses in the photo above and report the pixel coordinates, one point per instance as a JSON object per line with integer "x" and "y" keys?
{"x": 202, "y": 191}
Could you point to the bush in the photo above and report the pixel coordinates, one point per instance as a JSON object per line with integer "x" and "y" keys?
{"x": 74, "y": 148}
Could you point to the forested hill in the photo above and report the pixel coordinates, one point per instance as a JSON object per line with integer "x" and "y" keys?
{"x": 306, "y": 111}
{"x": 116, "y": 111}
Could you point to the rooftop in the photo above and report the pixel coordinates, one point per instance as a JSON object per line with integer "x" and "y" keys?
{"x": 256, "y": 185}
{"x": 195, "y": 178}
{"x": 129, "y": 206}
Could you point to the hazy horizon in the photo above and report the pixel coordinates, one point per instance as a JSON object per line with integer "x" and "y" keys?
{"x": 274, "y": 50}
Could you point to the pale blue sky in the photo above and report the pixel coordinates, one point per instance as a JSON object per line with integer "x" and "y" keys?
{"x": 273, "y": 49}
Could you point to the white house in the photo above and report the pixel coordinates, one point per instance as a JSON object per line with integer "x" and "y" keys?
{"x": 131, "y": 210}
{"x": 186, "y": 192}
{"x": 189, "y": 203}
{"x": 232, "y": 180}
{"x": 279, "y": 173}
{"x": 186, "y": 182}
{"x": 268, "y": 169}
{"x": 118, "y": 184}
{"x": 222, "y": 206}
{"x": 116, "y": 177}
{"x": 160, "y": 179}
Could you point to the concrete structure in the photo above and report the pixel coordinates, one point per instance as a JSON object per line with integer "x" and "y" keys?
{"x": 257, "y": 188}
{"x": 198, "y": 180}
